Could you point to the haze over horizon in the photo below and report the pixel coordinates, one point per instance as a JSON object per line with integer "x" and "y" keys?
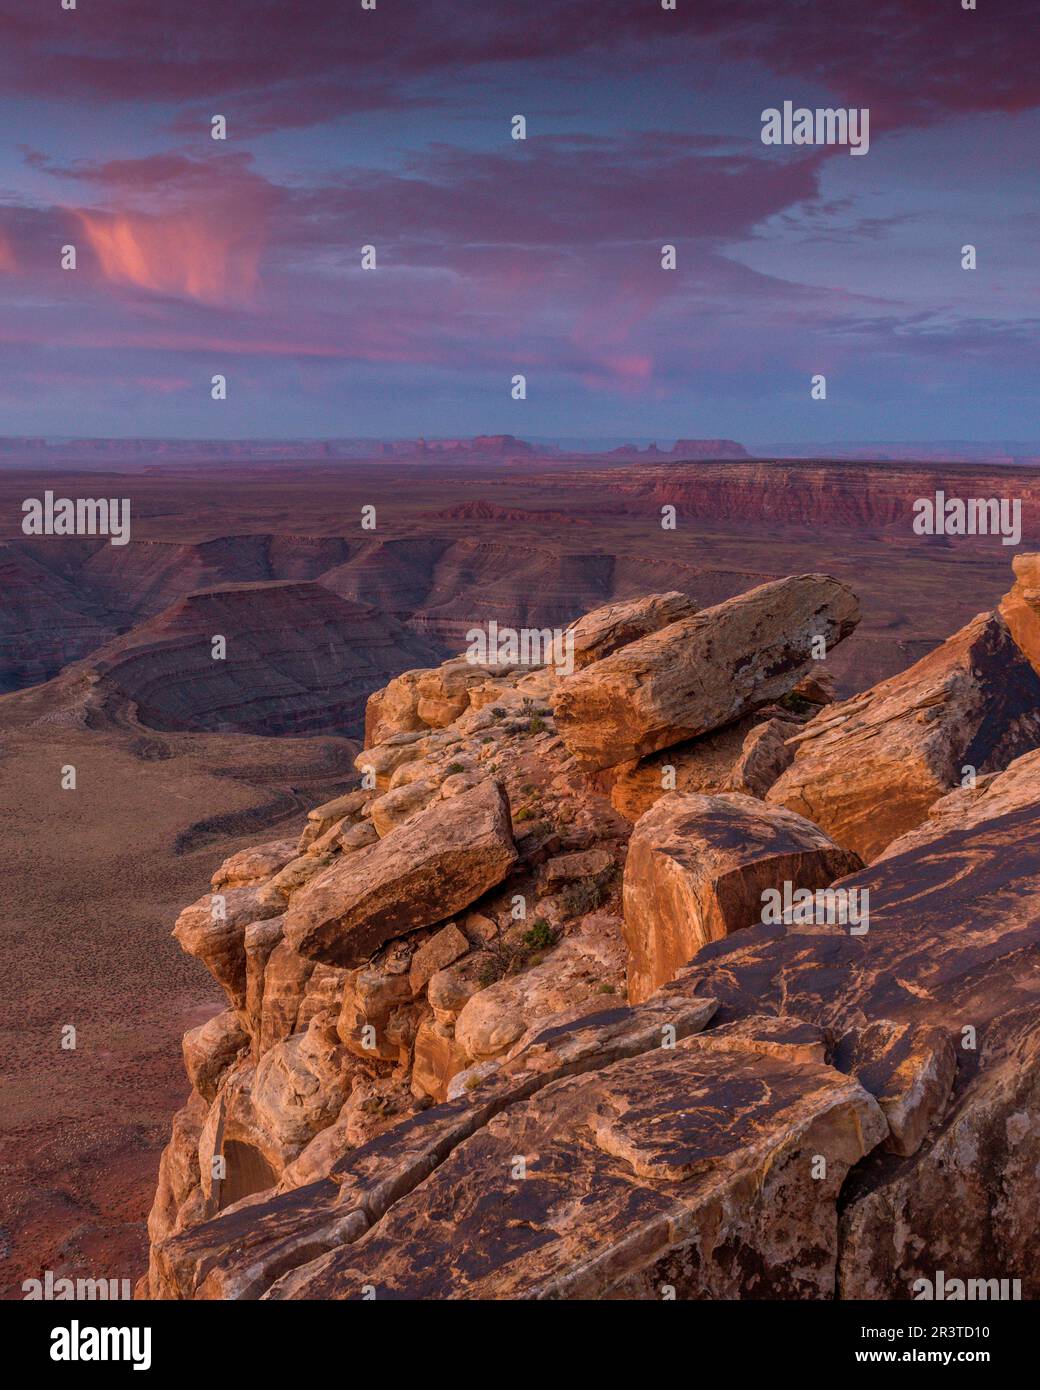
{"x": 498, "y": 256}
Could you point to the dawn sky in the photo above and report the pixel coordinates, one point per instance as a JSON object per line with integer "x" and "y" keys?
{"x": 391, "y": 127}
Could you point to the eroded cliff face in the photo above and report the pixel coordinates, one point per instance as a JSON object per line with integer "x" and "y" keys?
{"x": 477, "y": 1047}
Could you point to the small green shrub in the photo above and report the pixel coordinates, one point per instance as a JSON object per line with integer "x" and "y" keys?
{"x": 539, "y": 935}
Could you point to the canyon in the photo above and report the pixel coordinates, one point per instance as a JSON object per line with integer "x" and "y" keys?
{"x": 183, "y": 762}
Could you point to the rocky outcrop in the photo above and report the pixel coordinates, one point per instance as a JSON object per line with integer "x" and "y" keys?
{"x": 703, "y": 671}
{"x": 619, "y": 1185}
{"x": 868, "y": 769}
{"x": 426, "y": 699}
{"x": 937, "y": 1011}
{"x": 698, "y": 869}
{"x": 242, "y": 1253}
{"x": 430, "y": 1083}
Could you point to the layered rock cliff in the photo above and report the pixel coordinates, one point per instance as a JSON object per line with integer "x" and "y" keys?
{"x": 519, "y": 1016}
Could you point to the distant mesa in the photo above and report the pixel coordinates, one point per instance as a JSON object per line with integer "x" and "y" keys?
{"x": 18, "y": 451}
{"x": 299, "y": 660}
{"x": 685, "y": 449}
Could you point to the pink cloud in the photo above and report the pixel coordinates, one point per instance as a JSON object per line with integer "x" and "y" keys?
{"x": 190, "y": 254}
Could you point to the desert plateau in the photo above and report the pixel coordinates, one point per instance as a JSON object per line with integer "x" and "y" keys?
{"x": 519, "y": 680}
{"x": 183, "y": 763}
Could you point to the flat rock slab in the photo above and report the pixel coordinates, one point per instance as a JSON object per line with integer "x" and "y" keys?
{"x": 702, "y": 671}
{"x": 419, "y": 874}
{"x": 696, "y": 871}
{"x": 244, "y": 1250}
{"x": 668, "y": 1169}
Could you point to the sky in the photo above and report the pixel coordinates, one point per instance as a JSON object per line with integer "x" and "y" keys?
{"x": 392, "y": 127}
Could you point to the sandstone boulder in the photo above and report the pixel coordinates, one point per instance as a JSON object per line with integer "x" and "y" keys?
{"x": 696, "y": 871}
{"x": 394, "y": 709}
{"x": 1020, "y": 608}
{"x": 298, "y": 1089}
{"x": 276, "y": 892}
{"x": 868, "y": 769}
{"x": 281, "y": 991}
{"x": 441, "y": 950}
{"x": 448, "y": 992}
{"x": 444, "y": 692}
{"x": 605, "y": 630}
{"x": 764, "y": 755}
{"x": 210, "y": 1049}
{"x": 701, "y": 672}
{"x": 438, "y": 1057}
{"x": 419, "y": 874}
{"x": 583, "y": 865}
{"x": 383, "y": 760}
{"x": 375, "y": 1014}
{"x": 341, "y": 810}
{"x": 576, "y": 972}
{"x": 252, "y": 866}
{"x": 397, "y": 807}
{"x": 358, "y": 836}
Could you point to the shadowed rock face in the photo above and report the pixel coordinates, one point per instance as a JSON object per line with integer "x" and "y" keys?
{"x": 746, "y": 756}
{"x": 868, "y": 769}
{"x": 701, "y": 672}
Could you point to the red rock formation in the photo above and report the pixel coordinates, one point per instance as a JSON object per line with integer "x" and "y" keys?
{"x": 697, "y": 869}
{"x": 701, "y": 672}
{"x": 868, "y": 769}
{"x": 459, "y": 1109}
